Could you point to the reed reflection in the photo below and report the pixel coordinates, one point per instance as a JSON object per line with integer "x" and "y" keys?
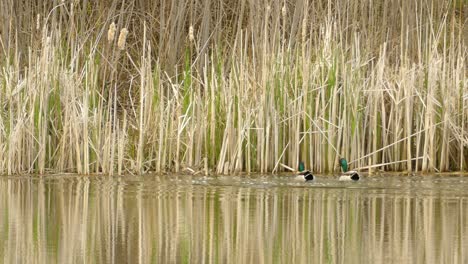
{"x": 114, "y": 220}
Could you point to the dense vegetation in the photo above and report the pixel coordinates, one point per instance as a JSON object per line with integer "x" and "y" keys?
{"x": 137, "y": 86}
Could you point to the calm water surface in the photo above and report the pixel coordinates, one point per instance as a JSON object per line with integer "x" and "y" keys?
{"x": 233, "y": 219}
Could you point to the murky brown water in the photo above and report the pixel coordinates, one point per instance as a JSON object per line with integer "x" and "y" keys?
{"x": 189, "y": 219}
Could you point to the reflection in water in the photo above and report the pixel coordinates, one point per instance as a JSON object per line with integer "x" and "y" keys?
{"x": 187, "y": 220}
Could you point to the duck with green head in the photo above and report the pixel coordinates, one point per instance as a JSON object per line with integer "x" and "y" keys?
{"x": 347, "y": 174}
{"x": 304, "y": 174}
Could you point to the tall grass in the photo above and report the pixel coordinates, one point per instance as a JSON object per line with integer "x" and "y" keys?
{"x": 231, "y": 86}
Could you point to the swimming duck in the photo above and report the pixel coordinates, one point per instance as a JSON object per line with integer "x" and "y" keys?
{"x": 347, "y": 175}
{"x": 304, "y": 174}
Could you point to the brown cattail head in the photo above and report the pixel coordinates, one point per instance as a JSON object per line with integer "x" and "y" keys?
{"x": 191, "y": 37}
{"x": 111, "y": 32}
{"x": 122, "y": 39}
{"x": 38, "y": 21}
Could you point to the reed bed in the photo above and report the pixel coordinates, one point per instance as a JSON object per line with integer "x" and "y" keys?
{"x": 232, "y": 86}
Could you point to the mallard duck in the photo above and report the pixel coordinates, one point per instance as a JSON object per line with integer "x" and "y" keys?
{"x": 347, "y": 175}
{"x": 304, "y": 174}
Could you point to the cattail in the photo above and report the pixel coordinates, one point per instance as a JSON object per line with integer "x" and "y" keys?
{"x": 191, "y": 37}
{"x": 122, "y": 39}
{"x": 283, "y": 11}
{"x": 38, "y": 21}
{"x": 111, "y": 32}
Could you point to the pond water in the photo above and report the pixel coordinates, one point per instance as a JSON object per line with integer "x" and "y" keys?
{"x": 233, "y": 219}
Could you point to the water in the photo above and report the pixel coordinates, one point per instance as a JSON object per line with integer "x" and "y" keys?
{"x": 233, "y": 219}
